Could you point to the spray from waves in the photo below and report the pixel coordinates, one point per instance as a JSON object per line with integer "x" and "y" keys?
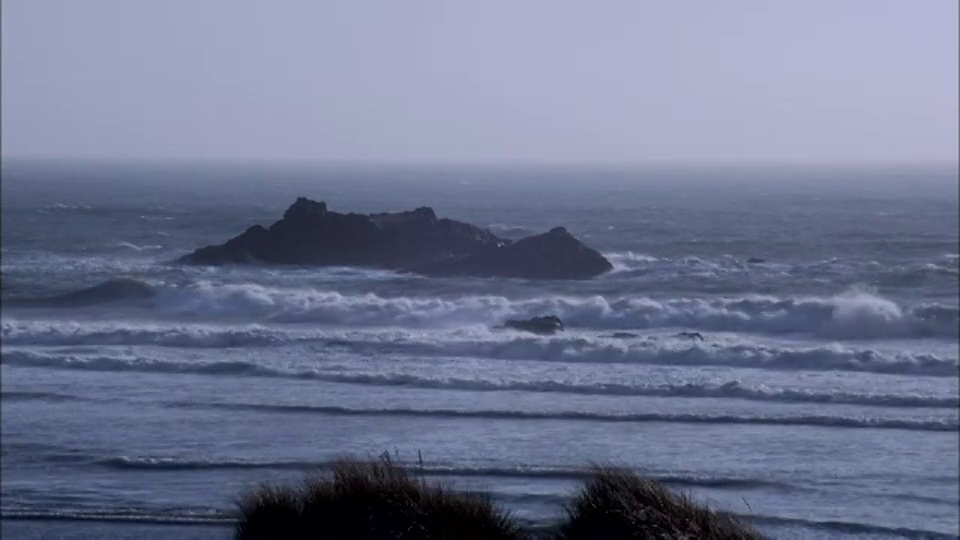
{"x": 935, "y": 425}
{"x": 629, "y": 260}
{"x": 855, "y": 314}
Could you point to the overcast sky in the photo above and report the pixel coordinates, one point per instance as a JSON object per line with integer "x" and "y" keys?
{"x": 490, "y": 80}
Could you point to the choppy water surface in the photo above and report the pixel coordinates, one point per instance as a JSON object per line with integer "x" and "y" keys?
{"x": 821, "y": 402}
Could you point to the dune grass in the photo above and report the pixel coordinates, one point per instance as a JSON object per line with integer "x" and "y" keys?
{"x": 367, "y": 500}
{"x": 619, "y": 504}
{"x": 371, "y": 500}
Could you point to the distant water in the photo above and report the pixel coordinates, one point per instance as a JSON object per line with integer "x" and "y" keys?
{"x": 821, "y": 403}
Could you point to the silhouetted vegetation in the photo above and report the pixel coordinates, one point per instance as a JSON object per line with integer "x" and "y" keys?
{"x": 371, "y": 500}
{"x": 367, "y": 500}
{"x": 618, "y": 504}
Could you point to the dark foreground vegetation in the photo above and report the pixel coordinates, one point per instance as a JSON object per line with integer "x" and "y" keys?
{"x": 380, "y": 500}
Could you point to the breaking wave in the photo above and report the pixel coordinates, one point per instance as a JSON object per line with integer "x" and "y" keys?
{"x": 130, "y": 245}
{"x": 113, "y": 290}
{"x": 855, "y": 314}
{"x": 484, "y": 344}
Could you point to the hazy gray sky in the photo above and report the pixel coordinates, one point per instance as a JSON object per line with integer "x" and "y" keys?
{"x": 503, "y": 80}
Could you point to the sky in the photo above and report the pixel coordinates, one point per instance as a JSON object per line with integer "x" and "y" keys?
{"x": 858, "y": 81}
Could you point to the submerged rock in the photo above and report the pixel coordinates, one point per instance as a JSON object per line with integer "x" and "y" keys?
{"x": 418, "y": 241}
{"x": 543, "y": 326}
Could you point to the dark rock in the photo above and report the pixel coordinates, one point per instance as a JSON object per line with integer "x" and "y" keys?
{"x": 552, "y": 255}
{"x": 755, "y": 260}
{"x": 692, "y": 335}
{"x": 543, "y": 326}
{"x": 419, "y": 241}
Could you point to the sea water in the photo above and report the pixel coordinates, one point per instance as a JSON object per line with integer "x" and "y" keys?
{"x": 821, "y": 402}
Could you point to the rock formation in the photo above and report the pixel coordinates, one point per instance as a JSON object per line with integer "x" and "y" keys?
{"x": 543, "y": 326}
{"x": 417, "y": 241}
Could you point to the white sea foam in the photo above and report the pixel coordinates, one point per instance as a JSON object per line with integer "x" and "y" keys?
{"x": 855, "y": 314}
{"x": 481, "y": 342}
{"x": 629, "y": 260}
{"x": 135, "y": 247}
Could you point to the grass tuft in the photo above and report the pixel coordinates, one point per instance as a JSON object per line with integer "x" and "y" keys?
{"x": 371, "y": 500}
{"x": 379, "y": 500}
{"x": 617, "y": 504}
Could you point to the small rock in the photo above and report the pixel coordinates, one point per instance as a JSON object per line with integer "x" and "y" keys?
{"x": 543, "y": 326}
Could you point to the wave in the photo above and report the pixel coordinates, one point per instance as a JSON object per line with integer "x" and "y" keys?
{"x": 551, "y": 473}
{"x": 184, "y": 336}
{"x": 941, "y": 425}
{"x": 120, "y": 515}
{"x": 628, "y": 260}
{"x": 176, "y": 464}
{"x": 846, "y": 527}
{"x": 730, "y": 389}
{"x": 61, "y": 206}
{"x": 733, "y": 389}
{"x": 540, "y": 472}
{"x": 132, "y": 363}
{"x": 227, "y": 519}
{"x": 135, "y": 247}
{"x": 572, "y": 350}
{"x": 113, "y": 290}
{"x": 17, "y": 395}
{"x": 746, "y": 271}
{"x": 855, "y": 314}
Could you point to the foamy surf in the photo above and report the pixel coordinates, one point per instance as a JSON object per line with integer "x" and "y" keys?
{"x": 854, "y": 314}
{"x": 481, "y": 342}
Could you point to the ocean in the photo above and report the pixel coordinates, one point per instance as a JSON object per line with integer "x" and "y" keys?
{"x": 821, "y": 403}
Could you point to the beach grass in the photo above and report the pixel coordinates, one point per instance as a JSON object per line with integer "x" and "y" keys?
{"x": 619, "y": 504}
{"x": 371, "y": 500}
{"x": 379, "y": 499}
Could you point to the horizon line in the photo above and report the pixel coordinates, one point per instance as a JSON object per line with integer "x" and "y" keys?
{"x": 439, "y": 162}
